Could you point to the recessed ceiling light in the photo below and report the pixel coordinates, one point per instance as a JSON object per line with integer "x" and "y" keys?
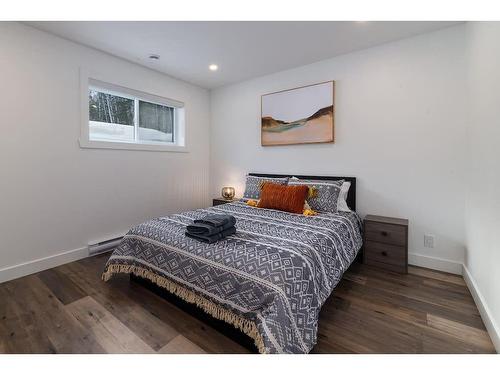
{"x": 213, "y": 67}
{"x": 154, "y": 57}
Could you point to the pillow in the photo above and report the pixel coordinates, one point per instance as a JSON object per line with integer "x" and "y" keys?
{"x": 306, "y": 211}
{"x": 254, "y": 184}
{"x": 326, "y": 193}
{"x": 283, "y": 197}
{"x": 342, "y": 201}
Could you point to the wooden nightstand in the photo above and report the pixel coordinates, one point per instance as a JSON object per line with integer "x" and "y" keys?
{"x": 218, "y": 201}
{"x": 386, "y": 243}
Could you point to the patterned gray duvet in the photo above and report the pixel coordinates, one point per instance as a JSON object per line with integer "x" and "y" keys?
{"x": 270, "y": 279}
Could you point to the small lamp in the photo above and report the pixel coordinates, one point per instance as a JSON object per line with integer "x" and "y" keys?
{"x": 228, "y": 192}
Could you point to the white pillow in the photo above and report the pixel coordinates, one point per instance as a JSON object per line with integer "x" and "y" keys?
{"x": 342, "y": 200}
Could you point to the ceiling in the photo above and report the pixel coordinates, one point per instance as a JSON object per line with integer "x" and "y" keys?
{"x": 242, "y": 50}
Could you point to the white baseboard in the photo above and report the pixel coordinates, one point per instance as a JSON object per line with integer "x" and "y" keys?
{"x": 434, "y": 263}
{"x": 37, "y": 265}
{"x": 488, "y": 320}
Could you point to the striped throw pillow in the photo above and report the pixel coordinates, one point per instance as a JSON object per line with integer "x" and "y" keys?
{"x": 283, "y": 197}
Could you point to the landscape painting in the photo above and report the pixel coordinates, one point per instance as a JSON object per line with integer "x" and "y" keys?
{"x": 298, "y": 116}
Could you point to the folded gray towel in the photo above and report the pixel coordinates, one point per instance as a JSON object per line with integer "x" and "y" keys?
{"x": 202, "y": 229}
{"x": 213, "y": 238}
{"x": 216, "y": 220}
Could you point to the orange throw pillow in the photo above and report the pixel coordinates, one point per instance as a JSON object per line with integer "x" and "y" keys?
{"x": 283, "y": 197}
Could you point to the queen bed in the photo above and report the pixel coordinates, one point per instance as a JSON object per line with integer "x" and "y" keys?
{"x": 268, "y": 280}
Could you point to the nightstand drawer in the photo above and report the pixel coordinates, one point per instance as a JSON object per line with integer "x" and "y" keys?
{"x": 385, "y": 233}
{"x": 385, "y": 253}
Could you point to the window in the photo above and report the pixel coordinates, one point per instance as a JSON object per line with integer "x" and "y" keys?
{"x": 156, "y": 122}
{"x": 122, "y": 118}
{"x": 111, "y": 117}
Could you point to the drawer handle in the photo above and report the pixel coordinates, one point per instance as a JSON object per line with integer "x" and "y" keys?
{"x": 384, "y": 253}
{"x": 384, "y": 233}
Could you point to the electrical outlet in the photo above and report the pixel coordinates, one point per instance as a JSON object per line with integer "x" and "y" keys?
{"x": 429, "y": 241}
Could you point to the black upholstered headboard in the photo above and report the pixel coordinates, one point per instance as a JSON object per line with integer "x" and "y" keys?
{"x": 351, "y": 195}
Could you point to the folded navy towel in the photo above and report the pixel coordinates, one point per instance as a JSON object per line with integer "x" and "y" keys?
{"x": 202, "y": 229}
{"x": 213, "y": 238}
{"x": 216, "y": 220}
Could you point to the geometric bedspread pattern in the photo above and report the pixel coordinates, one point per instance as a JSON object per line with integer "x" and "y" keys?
{"x": 277, "y": 270}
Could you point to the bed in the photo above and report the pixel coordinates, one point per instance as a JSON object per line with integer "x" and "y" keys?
{"x": 269, "y": 280}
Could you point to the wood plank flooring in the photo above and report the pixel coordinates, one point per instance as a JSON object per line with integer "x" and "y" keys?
{"x": 69, "y": 309}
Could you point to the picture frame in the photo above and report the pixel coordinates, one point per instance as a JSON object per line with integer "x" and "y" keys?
{"x": 302, "y": 115}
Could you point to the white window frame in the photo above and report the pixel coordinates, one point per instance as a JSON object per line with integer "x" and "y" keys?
{"x": 107, "y": 85}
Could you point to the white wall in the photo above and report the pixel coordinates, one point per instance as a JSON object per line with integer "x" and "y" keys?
{"x": 482, "y": 219}
{"x": 56, "y": 197}
{"x": 399, "y": 128}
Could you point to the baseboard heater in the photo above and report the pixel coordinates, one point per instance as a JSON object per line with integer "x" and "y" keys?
{"x": 103, "y": 246}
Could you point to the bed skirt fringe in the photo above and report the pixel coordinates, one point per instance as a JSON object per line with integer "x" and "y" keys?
{"x": 247, "y": 326}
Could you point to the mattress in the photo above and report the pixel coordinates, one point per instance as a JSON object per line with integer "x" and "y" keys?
{"x": 269, "y": 279}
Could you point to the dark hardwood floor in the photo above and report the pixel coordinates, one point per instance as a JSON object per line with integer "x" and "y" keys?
{"x": 69, "y": 309}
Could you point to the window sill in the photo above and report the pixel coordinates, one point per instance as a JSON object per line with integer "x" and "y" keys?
{"x": 84, "y": 143}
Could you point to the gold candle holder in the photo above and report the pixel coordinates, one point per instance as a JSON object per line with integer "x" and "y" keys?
{"x": 228, "y": 192}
